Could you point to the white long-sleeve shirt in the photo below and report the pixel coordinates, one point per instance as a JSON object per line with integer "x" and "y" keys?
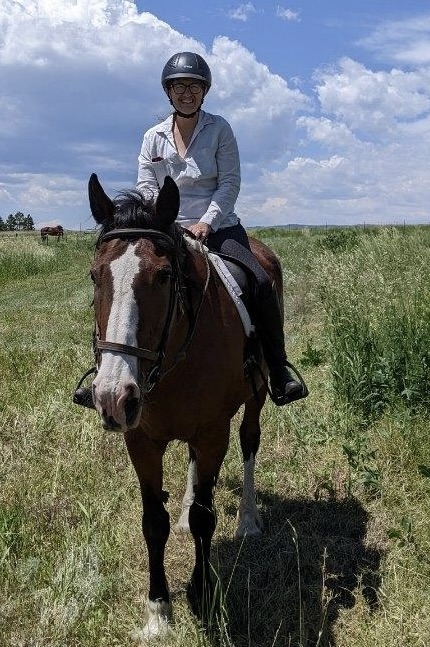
{"x": 208, "y": 176}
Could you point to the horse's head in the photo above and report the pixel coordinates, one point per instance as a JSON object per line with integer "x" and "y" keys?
{"x": 134, "y": 275}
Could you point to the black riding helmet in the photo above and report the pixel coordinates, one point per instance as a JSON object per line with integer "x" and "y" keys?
{"x": 186, "y": 65}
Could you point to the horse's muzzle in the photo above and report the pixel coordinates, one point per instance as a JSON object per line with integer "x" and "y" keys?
{"x": 117, "y": 401}
{"x": 132, "y": 416}
{"x": 110, "y": 424}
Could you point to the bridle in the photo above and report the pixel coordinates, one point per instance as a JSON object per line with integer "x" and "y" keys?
{"x": 148, "y": 379}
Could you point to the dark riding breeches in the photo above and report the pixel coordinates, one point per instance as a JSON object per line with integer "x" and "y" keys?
{"x": 233, "y": 242}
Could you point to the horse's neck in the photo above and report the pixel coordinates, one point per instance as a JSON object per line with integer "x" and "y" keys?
{"x": 195, "y": 270}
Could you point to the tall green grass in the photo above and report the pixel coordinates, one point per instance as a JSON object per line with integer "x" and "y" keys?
{"x": 25, "y": 256}
{"x": 376, "y": 297}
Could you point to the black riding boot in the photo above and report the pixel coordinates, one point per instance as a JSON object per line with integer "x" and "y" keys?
{"x": 284, "y": 388}
{"x": 84, "y": 397}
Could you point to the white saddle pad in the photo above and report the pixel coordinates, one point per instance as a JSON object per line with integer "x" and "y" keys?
{"x": 229, "y": 281}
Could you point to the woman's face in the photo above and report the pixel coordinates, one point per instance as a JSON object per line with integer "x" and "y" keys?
{"x": 186, "y": 94}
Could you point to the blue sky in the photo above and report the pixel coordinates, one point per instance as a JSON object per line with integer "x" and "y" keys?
{"x": 329, "y": 100}
{"x": 292, "y": 39}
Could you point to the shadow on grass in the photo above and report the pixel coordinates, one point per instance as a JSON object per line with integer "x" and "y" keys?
{"x": 288, "y": 587}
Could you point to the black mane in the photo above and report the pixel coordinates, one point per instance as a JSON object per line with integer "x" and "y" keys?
{"x": 135, "y": 211}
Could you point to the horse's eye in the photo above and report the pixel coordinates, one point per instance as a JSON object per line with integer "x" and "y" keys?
{"x": 92, "y": 277}
{"x": 164, "y": 275}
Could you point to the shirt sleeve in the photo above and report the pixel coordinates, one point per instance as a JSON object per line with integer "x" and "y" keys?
{"x": 228, "y": 185}
{"x": 147, "y": 181}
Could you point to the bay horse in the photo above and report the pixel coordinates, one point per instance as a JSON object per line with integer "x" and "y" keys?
{"x": 170, "y": 349}
{"x": 57, "y": 231}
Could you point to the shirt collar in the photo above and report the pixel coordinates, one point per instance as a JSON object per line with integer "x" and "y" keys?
{"x": 204, "y": 119}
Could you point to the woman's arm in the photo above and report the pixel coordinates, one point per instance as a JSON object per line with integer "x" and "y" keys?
{"x": 146, "y": 178}
{"x": 228, "y": 163}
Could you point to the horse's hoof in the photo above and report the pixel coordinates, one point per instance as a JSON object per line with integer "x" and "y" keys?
{"x": 182, "y": 526}
{"x": 158, "y": 624}
{"x": 249, "y": 525}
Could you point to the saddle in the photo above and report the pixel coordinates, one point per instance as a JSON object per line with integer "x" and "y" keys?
{"x": 236, "y": 279}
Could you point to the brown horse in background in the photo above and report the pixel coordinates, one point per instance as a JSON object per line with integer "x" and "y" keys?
{"x": 170, "y": 349}
{"x": 57, "y": 231}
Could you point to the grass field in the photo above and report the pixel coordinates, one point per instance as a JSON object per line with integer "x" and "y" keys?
{"x": 343, "y": 478}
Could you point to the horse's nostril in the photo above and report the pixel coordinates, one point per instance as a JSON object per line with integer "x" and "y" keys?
{"x": 131, "y": 409}
{"x": 109, "y": 423}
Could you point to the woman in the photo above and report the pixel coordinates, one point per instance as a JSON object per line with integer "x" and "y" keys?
{"x": 199, "y": 151}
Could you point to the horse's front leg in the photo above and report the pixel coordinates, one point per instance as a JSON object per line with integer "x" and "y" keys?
{"x": 147, "y": 458}
{"x": 202, "y": 519}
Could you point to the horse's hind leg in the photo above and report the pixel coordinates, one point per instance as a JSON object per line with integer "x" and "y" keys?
{"x": 249, "y": 521}
{"x": 183, "y": 523}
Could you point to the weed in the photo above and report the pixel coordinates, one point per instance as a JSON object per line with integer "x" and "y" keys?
{"x": 312, "y": 356}
{"x": 402, "y": 533}
{"x": 339, "y": 240}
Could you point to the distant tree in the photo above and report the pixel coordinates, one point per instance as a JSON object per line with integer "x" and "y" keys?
{"x": 28, "y": 223}
{"x": 3, "y": 225}
{"x": 19, "y": 222}
{"x": 11, "y": 224}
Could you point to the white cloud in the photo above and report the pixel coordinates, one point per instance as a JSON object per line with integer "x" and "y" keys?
{"x": 287, "y": 14}
{"x": 367, "y": 151}
{"x": 242, "y": 12}
{"x": 373, "y": 102}
{"x": 78, "y": 89}
{"x": 406, "y": 41}
{"x": 332, "y": 135}
{"x": 361, "y": 182}
{"x": 260, "y": 105}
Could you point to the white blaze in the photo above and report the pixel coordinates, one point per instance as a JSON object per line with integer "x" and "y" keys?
{"x": 117, "y": 371}
{"x": 123, "y": 318}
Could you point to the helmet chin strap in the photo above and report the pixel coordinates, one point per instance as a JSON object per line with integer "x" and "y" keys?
{"x": 190, "y": 116}
{"x": 182, "y": 114}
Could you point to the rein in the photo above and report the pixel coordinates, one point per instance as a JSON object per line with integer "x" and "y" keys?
{"x": 154, "y": 374}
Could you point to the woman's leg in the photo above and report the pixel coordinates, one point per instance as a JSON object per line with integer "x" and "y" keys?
{"x": 233, "y": 242}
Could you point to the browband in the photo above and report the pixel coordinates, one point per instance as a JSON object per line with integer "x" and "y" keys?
{"x": 134, "y": 233}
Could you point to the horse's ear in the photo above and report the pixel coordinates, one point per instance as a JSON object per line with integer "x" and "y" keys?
{"x": 167, "y": 203}
{"x": 101, "y": 206}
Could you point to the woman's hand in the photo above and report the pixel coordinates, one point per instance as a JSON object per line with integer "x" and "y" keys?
{"x": 201, "y": 230}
